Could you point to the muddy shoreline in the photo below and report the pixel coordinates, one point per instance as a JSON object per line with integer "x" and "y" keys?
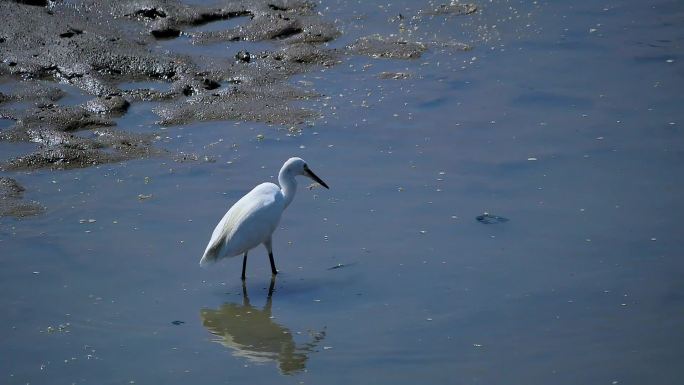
{"x": 98, "y": 46}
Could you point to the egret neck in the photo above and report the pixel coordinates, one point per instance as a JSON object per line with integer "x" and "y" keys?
{"x": 288, "y": 184}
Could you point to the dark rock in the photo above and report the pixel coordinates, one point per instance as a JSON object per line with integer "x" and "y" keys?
{"x": 71, "y": 33}
{"x": 277, "y": 7}
{"x": 150, "y": 13}
{"x": 209, "y": 84}
{"x": 243, "y": 56}
{"x": 165, "y": 33}
{"x": 40, "y": 3}
{"x": 188, "y": 91}
{"x": 489, "y": 219}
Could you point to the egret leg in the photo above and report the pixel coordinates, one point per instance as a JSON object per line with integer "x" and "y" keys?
{"x": 273, "y": 268}
{"x": 269, "y": 248}
{"x": 244, "y": 265}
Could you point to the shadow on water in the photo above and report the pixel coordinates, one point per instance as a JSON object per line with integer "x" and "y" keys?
{"x": 253, "y": 334}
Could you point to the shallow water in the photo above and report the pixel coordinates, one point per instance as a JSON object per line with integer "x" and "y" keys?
{"x": 564, "y": 119}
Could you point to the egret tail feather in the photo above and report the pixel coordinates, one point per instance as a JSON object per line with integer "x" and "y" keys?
{"x": 210, "y": 256}
{"x": 204, "y": 262}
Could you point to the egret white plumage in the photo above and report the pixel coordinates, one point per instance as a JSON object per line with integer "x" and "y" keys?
{"x": 252, "y": 220}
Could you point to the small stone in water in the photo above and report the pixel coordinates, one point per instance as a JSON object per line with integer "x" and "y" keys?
{"x": 243, "y": 56}
{"x": 489, "y": 219}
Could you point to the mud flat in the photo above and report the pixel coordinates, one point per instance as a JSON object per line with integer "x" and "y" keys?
{"x": 98, "y": 46}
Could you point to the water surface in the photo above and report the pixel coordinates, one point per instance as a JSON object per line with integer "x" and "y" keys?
{"x": 565, "y": 119}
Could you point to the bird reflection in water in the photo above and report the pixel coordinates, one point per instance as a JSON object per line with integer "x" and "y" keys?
{"x": 253, "y": 334}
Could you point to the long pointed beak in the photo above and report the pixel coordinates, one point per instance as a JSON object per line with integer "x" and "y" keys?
{"x": 315, "y": 177}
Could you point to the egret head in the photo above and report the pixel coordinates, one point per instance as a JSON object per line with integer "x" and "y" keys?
{"x": 297, "y": 166}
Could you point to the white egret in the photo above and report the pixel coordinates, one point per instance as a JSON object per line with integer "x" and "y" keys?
{"x": 252, "y": 219}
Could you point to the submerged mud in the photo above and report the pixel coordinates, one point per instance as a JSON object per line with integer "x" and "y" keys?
{"x": 453, "y": 8}
{"x": 98, "y": 46}
{"x": 11, "y": 200}
{"x": 392, "y": 48}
